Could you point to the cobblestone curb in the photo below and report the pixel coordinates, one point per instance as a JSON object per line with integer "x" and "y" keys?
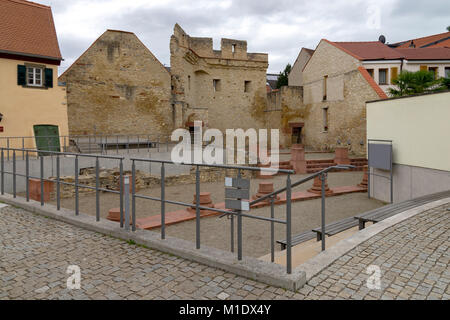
{"x": 318, "y": 263}
{"x": 268, "y": 273}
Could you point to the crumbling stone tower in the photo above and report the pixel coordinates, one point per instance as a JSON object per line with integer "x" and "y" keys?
{"x": 224, "y": 88}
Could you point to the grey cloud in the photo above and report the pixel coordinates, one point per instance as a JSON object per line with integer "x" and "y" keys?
{"x": 338, "y": 20}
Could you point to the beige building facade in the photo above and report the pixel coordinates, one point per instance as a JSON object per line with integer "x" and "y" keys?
{"x": 29, "y": 90}
{"x": 418, "y": 127}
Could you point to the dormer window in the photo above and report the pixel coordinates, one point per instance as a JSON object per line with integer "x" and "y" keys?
{"x": 34, "y": 76}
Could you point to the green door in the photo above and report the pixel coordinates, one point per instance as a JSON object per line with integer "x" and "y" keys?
{"x": 47, "y": 138}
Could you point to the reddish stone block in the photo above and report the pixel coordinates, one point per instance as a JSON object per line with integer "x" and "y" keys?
{"x": 114, "y": 215}
{"x": 365, "y": 181}
{"x": 35, "y": 189}
{"x": 341, "y": 155}
{"x": 298, "y": 161}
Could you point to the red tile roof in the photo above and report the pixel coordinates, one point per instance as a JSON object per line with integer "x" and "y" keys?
{"x": 425, "y": 53}
{"x": 436, "y": 40}
{"x": 372, "y": 83}
{"x": 27, "y": 28}
{"x": 367, "y": 50}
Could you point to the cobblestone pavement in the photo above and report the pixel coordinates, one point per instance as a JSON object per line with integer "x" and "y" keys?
{"x": 36, "y": 252}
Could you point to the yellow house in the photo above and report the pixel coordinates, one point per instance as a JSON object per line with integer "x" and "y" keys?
{"x": 29, "y": 58}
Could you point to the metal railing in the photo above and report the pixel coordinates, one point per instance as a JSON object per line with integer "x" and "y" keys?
{"x": 124, "y": 193}
{"x": 94, "y": 143}
{"x": 58, "y": 156}
{"x": 238, "y": 214}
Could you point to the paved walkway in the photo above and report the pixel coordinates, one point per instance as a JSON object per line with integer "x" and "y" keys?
{"x": 35, "y": 253}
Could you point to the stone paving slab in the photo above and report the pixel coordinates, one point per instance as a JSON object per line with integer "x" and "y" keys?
{"x": 413, "y": 257}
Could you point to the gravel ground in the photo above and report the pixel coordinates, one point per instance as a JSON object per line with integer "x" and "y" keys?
{"x": 215, "y": 231}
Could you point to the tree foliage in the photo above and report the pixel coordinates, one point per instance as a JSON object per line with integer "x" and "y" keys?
{"x": 283, "y": 76}
{"x": 408, "y": 83}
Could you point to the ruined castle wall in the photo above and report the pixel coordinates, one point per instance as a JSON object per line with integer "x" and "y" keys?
{"x": 285, "y": 108}
{"x": 344, "y": 104}
{"x": 117, "y": 87}
{"x": 210, "y": 85}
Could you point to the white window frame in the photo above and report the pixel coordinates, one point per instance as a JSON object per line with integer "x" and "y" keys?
{"x": 34, "y": 76}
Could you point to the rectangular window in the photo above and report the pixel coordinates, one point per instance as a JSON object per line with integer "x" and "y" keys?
{"x": 370, "y": 71}
{"x": 216, "y": 85}
{"x": 382, "y": 76}
{"x": 423, "y": 68}
{"x": 189, "y": 82}
{"x": 34, "y": 76}
{"x": 434, "y": 70}
{"x": 233, "y": 48}
{"x": 447, "y": 72}
{"x": 247, "y": 87}
{"x": 394, "y": 73}
{"x": 325, "y": 79}
{"x": 325, "y": 119}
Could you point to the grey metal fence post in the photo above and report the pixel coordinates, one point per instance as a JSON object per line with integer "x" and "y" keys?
{"x": 42, "y": 178}
{"x": 322, "y": 179}
{"x": 288, "y": 226}
{"x": 128, "y": 144}
{"x": 14, "y": 173}
{"x": 76, "y": 187}
{"x": 7, "y": 146}
{"x": 3, "y": 173}
{"x": 121, "y": 192}
{"x": 138, "y": 145}
{"x": 197, "y": 209}
{"x": 117, "y": 144}
{"x": 158, "y": 143}
{"x": 133, "y": 195}
{"x": 126, "y": 184}
{"x": 272, "y": 231}
{"x": 239, "y": 225}
{"x": 58, "y": 184}
{"x": 27, "y": 176}
{"x": 163, "y": 203}
{"x": 89, "y": 137}
{"x": 106, "y": 145}
{"x": 97, "y": 189}
{"x": 23, "y": 147}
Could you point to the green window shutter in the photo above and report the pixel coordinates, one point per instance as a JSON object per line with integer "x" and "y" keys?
{"x": 21, "y": 75}
{"x": 48, "y": 73}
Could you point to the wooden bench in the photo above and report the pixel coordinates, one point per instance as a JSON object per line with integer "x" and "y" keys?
{"x": 336, "y": 227}
{"x": 297, "y": 239}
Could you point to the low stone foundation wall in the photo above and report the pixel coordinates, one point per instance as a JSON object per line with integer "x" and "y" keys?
{"x": 109, "y": 179}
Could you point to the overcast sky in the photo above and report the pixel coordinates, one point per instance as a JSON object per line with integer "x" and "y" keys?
{"x": 280, "y": 28}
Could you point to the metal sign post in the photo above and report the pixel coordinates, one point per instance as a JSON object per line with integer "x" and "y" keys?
{"x": 237, "y": 190}
{"x": 380, "y": 156}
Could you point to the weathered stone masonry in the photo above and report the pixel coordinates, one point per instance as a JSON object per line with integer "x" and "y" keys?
{"x": 223, "y": 88}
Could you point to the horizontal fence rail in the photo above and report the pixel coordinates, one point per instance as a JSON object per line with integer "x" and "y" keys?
{"x": 90, "y": 143}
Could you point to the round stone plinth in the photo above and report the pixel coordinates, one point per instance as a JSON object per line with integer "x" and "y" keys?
{"x": 114, "y": 215}
{"x": 317, "y": 187}
{"x": 205, "y": 201}
{"x": 264, "y": 189}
